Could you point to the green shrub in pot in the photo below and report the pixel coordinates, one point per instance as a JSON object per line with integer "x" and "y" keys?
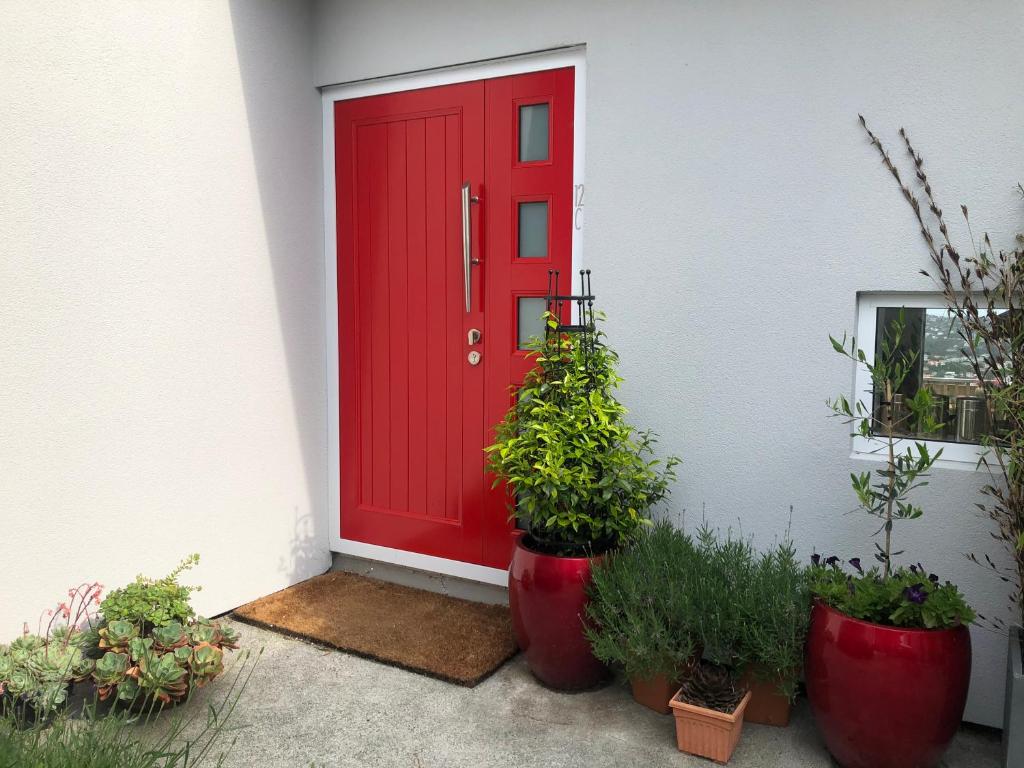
{"x": 583, "y": 477}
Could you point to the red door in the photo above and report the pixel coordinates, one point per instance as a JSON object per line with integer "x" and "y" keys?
{"x": 419, "y": 391}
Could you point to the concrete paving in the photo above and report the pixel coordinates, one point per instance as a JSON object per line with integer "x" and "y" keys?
{"x": 307, "y": 705}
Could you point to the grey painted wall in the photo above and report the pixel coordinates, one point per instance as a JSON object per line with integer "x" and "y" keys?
{"x": 733, "y": 212}
{"x": 161, "y": 300}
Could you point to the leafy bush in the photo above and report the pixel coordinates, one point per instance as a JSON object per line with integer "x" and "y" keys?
{"x": 909, "y": 597}
{"x": 640, "y": 607}
{"x": 583, "y": 478}
{"x": 163, "y": 666}
{"x": 152, "y": 602}
{"x": 114, "y": 741}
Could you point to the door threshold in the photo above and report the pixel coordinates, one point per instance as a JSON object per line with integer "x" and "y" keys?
{"x": 453, "y": 586}
{"x": 428, "y": 564}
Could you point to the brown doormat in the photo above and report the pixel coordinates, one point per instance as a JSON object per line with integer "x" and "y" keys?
{"x": 445, "y": 637}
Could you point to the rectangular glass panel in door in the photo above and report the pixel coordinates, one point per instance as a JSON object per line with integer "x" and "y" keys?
{"x": 533, "y": 133}
{"x": 533, "y": 230}
{"x": 530, "y": 321}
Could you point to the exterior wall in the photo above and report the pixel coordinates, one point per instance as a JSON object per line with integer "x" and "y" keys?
{"x": 161, "y": 299}
{"x": 733, "y": 212}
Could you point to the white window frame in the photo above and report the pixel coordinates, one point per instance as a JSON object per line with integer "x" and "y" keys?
{"x": 574, "y": 56}
{"x": 954, "y": 455}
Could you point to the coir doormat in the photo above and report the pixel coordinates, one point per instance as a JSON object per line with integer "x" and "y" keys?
{"x": 445, "y": 637}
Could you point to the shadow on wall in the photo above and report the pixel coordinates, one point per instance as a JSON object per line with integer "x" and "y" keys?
{"x": 283, "y": 110}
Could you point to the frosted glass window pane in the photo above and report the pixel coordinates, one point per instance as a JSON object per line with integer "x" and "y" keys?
{"x": 533, "y": 230}
{"x": 530, "y": 321}
{"x": 533, "y": 133}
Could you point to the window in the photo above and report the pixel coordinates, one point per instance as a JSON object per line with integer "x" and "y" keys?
{"x": 533, "y": 230}
{"x": 931, "y": 343}
{"x": 533, "y": 133}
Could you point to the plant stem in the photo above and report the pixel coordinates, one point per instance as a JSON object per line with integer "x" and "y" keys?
{"x": 890, "y": 498}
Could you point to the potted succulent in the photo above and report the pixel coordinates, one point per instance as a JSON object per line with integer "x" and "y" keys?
{"x": 888, "y": 657}
{"x": 708, "y": 710}
{"x": 150, "y": 648}
{"x": 583, "y": 480}
{"x": 984, "y": 293}
{"x": 37, "y": 671}
{"x": 776, "y": 608}
{"x": 641, "y": 613}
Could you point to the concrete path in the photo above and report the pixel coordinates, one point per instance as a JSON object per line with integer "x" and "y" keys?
{"x": 307, "y": 705}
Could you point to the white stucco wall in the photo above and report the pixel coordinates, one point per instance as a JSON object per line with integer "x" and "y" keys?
{"x": 734, "y": 210}
{"x": 161, "y": 340}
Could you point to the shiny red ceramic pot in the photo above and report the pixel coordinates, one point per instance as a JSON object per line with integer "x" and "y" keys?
{"x": 885, "y": 697}
{"x": 546, "y": 597}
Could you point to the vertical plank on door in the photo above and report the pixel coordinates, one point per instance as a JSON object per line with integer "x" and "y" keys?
{"x": 364, "y": 315}
{"x": 398, "y": 302}
{"x": 379, "y": 330}
{"x": 456, "y": 308}
{"x": 436, "y": 380}
{"x": 416, "y": 218}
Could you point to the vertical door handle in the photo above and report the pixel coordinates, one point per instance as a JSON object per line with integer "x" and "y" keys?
{"x": 467, "y": 244}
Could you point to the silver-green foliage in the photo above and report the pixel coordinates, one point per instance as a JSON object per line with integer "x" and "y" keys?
{"x": 640, "y": 615}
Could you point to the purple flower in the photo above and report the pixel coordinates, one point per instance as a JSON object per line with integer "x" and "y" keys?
{"x": 831, "y": 560}
{"x": 913, "y": 569}
{"x": 855, "y": 562}
{"x": 933, "y": 578}
{"x": 915, "y": 594}
{"x": 816, "y": 559}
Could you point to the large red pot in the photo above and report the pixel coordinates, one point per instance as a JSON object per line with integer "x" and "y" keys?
{"x": 546, "y": 597}
{"x": 885, "y": 697}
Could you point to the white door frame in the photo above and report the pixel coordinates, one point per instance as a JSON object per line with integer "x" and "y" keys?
{"x": 565, "y": 57}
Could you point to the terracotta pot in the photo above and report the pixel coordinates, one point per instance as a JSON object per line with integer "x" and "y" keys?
{"x": 768, "y": 706}
{"x": 885, "y": 697}
{"x": 707, "y": 732}
{"x": 547, "y": 598}
{"x": 654, "y": 692}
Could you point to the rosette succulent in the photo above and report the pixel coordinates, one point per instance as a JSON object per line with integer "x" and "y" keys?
{"x": 39, "y": 670}
{"x": 163, "y": 666}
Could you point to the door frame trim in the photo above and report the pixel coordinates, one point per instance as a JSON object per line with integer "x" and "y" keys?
{"x": 514, "y": 65}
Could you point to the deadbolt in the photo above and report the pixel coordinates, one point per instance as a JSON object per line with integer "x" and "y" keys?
{"x": 473, "y": 357}
{"x": 473, "y": 337}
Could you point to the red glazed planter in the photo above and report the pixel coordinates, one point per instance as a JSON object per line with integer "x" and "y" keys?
{"x": 546, "y": 598}
{"x": 885, "y": 697}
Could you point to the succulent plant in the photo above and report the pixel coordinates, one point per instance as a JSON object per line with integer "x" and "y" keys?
{"x": 164, "y": 664}
{"x": 161, "y": 677}
{"x": 207, "y": 663}
{"x": 711, "y": 687}
{"x": 117, "y": 634}
{"x": 169, "y": 637}
{"x": 110, "y": 672}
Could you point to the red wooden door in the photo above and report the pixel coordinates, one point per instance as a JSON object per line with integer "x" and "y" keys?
{"x": 415, "y": 411}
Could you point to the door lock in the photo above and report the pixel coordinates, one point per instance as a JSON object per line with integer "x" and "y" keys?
{"x": 473, "y": 357}
{"x": 473, "y": 337}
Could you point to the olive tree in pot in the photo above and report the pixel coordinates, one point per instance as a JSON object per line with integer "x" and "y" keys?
{"x": 983, "y": 287}
{"x": 583, "y": 481}
{"x": 887, "y": 644}
{"x": 642, "y": 613}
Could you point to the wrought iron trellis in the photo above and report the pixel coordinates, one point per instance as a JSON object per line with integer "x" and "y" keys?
{"x": 584, "y": 328}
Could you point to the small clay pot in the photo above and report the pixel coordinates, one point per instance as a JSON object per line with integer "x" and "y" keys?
{"x": 654, "y": 692}
{"x": 768, "y": 705}
{"x": 707, "y": 732}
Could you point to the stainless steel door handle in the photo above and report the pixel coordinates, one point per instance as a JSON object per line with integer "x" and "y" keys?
{"x": 467, "y": 244}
